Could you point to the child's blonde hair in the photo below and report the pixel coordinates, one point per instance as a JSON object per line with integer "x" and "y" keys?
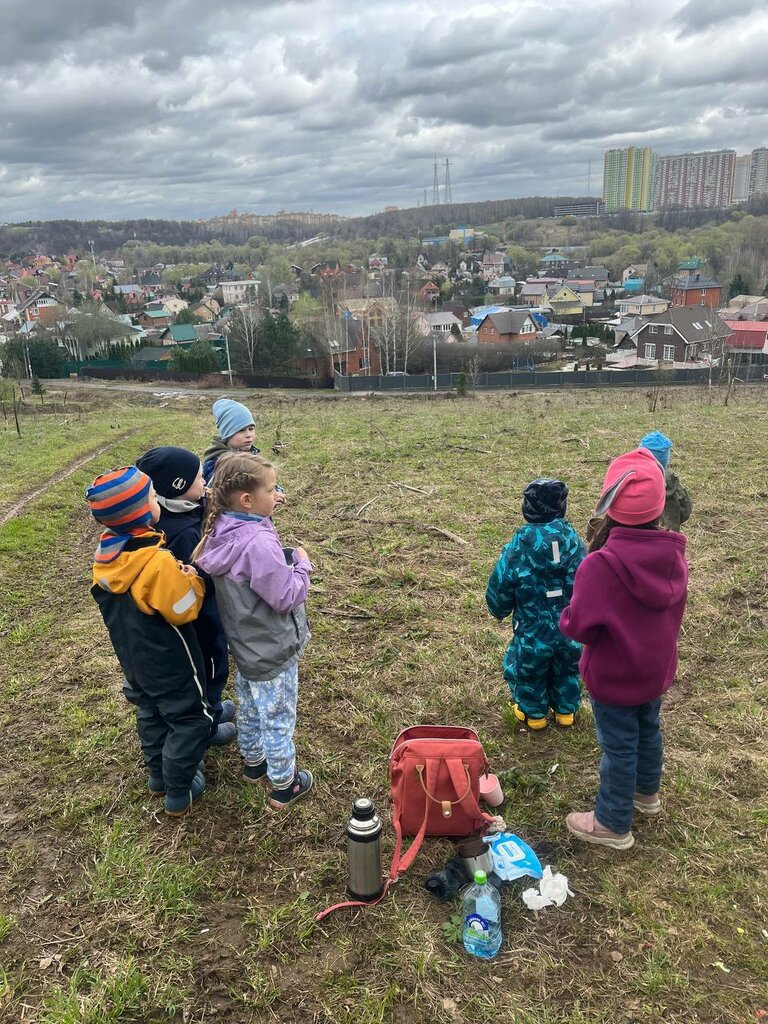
{"x": 235, "y": 472}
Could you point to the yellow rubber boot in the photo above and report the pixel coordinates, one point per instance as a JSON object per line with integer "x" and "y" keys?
{"x": 532, "y": 723}
{"x": 564, "y": 721}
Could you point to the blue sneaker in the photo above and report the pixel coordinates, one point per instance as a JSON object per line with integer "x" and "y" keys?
{"x": 225, "y": 733}
{"x": 156, "y": 785}
{"x": 227, "y": 710}
{"x": 279, "y": 799}
{"x": 178, "y": 806}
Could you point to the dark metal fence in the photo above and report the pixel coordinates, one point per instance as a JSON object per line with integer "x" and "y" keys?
{"x": 557, "y": 380}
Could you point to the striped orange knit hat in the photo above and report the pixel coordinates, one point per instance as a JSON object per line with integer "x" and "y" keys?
{"x": 119, "y": 500}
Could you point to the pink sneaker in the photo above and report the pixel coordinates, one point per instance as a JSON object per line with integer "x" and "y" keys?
{"x": 585, "y": 826}
{"x": 647, "y": 803}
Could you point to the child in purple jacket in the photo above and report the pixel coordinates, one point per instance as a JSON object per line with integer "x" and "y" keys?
{"x": 260, "y": 592}
{"x": 627, "y": 607}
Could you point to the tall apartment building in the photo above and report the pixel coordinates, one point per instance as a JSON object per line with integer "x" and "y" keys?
{"x": 628, "y": 176}
{"x": 741, "y": 178}
{"x": 695, "y": 180}
{"x": 758, "y": 172}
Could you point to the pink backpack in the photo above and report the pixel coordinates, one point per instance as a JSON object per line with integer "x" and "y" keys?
{"x": 434, "y": 774}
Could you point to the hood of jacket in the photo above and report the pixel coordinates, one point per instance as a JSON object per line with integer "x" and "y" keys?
{"x": 119, "y": 575}
{"x": 553, "y": 548}
{"x": 224, "y": 549}
{"x": 215, "y": 448}
{"x": 650, "y": 563}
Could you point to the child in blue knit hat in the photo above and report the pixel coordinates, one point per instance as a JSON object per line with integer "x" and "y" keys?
{"x": 235, "y": 433}
{"x": 678, "y": 506}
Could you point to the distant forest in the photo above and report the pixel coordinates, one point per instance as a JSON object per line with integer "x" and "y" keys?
{"x": 61, "y": 236}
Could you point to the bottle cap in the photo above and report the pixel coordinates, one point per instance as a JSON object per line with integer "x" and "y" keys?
{"x": 480, "y": 877}
{"x": 363, "y": 808}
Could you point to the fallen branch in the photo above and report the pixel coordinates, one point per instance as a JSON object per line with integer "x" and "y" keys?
{"x": 416, "y": 490}
{"x": 365, "y": 506}
{"x": 339, "y": 613}
{"x": 464, "y": 448}
{"x": 443, "y": 533}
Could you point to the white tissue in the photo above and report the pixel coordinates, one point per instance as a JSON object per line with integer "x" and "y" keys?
{"x": 553, "y": 891}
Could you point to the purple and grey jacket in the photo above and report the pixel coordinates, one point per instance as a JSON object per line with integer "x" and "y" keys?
{"x": 260, "y": 596}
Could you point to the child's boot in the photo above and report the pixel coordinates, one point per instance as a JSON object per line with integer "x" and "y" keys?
{"x": 279, "y": 799}
{"x": 225, "y": 733}
{"x": 565, "y": 721}
{"x": 532, "y": 723}
{"x": 156, "y": 785}
{"x": 227, "y": 711}
{"x": 179, "y": 804}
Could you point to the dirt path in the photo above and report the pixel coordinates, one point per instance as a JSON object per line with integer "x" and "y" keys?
{"x": 19, "y": 505}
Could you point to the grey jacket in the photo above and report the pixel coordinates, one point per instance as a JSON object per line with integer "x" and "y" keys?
{"x": 263, "y": 642}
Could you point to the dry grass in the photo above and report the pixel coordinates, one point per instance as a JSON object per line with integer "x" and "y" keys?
{"x": 115, "y": 915}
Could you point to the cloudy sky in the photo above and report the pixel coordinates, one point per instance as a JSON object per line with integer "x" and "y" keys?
{"x": 187, "y": 108}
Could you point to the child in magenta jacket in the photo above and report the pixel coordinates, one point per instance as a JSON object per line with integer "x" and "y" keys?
{"x": 627, "y": 607}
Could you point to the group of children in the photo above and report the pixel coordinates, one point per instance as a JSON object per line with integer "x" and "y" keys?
{"x": 189, "y": 563}
{"x": 610, "y": 614}
{"x": 190, "y": 566}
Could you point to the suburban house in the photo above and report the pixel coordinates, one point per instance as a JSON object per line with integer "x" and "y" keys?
{"x": 565, "y": 301}
{"x": 353, "y": 352}
{"x": 235, "y": 292}
{"x": 556, "y": 261}
{"x": 502, "y": 286}
{"x": 464, "y": 313}
{"x": 40, "y": 306}
{"x": 535, "y": 293}
{"x": 642, "y": 305}
{"x": 598, "y": 275}
{"x": 373, "y": 311}
{"x": 153, "y": 319}
{"x": 493, "y": 265}
{"x": 682, "y": 334}
{"x": 440, "y": 323}
{"x": 634, "y": 270}
{"x": 150, "y": 279}
{"x": 429, "y": 292}
{"x": 694, "y": 290}
{"x": 178, "y": 334}
{"x": 206, "y": 310}
{"x": 173, "y": 303}
{"x": 748, "y": 341}
{"x": 746, "y": 307}
{"x": 132, "y": 293}
{"x": 506, "y": 327}
{"x": 584, "y": 288}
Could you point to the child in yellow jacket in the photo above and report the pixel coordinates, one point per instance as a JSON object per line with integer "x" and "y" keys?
{"x": 148, "y": 602}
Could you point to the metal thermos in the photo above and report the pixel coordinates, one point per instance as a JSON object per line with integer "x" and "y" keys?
{"x": 364, "y": 880}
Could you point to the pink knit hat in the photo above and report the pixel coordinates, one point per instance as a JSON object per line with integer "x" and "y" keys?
{"x": 634, "y": 490}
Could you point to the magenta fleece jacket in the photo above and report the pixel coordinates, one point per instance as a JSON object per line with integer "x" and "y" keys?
{"x": 627, "y": 608}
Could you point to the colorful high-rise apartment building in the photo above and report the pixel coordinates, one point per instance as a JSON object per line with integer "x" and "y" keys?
{"x": 628, "y": 178}
{"x": 694, "y": 180}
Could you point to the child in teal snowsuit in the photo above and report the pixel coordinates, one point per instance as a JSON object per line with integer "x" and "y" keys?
{"x": 533, "y": 582}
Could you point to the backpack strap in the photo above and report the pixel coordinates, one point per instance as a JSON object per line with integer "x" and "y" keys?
{"x": 462, "y": 784}
{"x": 398, "y": 863}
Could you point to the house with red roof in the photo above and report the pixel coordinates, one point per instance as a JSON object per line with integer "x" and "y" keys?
{"x": 748, "y": 341}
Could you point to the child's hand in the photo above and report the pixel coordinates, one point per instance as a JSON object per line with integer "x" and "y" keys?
{"x": 301, "y": 553}
{"x": 188, "y": 570}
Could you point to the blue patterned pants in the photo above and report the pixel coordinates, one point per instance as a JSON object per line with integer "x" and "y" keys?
{"x": 266, "y": 718}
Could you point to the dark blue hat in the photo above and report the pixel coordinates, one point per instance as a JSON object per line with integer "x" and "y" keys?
{"x": 544, "y": 500}
{"x": 171, "y": 470}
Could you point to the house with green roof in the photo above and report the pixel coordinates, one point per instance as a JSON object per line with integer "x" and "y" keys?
{"x": 178, "y": 334}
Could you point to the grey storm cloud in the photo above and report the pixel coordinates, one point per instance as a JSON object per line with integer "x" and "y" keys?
{"x": 186, "y": 109}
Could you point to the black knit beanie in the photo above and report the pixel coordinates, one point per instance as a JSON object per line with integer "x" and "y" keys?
{"x": 171, "y": 470}
{"x": 544, "y": 500}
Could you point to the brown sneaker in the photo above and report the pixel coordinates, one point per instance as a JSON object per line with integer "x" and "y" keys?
{"x": 647, "y": 803}
{"x": 585, "y": 826}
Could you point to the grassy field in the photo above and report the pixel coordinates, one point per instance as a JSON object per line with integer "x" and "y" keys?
{"x": 113, "y": 914}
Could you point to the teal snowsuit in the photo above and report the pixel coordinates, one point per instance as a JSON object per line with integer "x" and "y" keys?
{"x": 533, "y": 582}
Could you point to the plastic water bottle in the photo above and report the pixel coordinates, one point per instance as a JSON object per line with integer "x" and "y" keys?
{"x": 481, "y": 910}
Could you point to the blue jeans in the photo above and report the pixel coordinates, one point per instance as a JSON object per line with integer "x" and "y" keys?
{"x": 266, "y": 718}
{"x": 633, "y": 753}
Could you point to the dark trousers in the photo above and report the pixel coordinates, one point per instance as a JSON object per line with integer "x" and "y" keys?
{"x": 216, "y": 658}
{"x": 633, "y": 753}
{"x": 174, "y": 725}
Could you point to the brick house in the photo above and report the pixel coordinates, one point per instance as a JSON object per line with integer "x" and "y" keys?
{"x": 353, "y": 352}
{"x": 682, "y": 334}
{"x": 429, "y": 292}
{"x": 505, "y": 328}
{"x": 152, "y": 319}
{"x": 694, "y": 290}
{"x": 39, "y": 306}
